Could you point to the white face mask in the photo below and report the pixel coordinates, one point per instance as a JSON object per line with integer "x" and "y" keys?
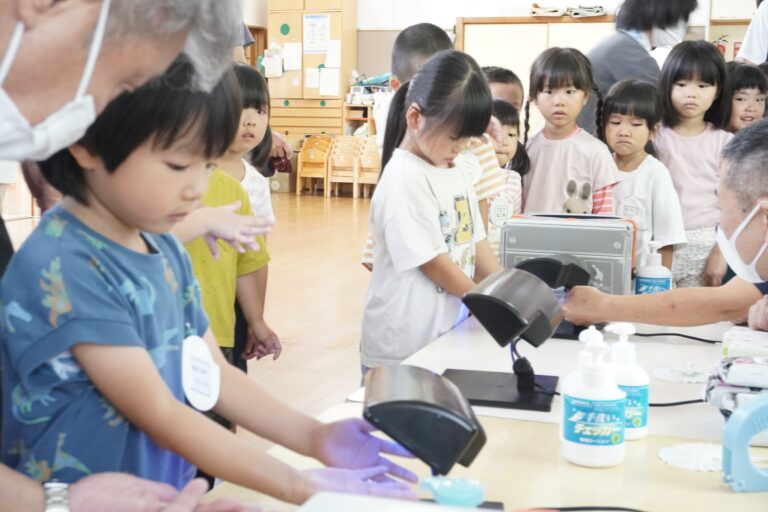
{"x": 669, "y": 36}
{"x": 21, "y": 141}
{"x": 747, "y": 272}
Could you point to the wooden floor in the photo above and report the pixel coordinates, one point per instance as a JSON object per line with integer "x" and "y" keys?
{"x": 314, "y": 298}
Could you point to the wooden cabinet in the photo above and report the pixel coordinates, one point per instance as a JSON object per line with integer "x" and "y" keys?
{"x": 307, "y": 100}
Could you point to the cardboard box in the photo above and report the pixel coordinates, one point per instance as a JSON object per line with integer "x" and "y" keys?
{"x": 283, "y": 182}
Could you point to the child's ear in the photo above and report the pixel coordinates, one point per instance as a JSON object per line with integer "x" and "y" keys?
{"x": 84, "y": 158}
{"x": 413, "y": 117}
{"x": 394, "y": 83}
{"x": 654, "y": 129}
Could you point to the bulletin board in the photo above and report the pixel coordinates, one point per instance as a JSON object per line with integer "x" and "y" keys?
{"x": 286, "y": 28}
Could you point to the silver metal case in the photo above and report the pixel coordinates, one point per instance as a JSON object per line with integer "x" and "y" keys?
{"x": 606, "y": 244}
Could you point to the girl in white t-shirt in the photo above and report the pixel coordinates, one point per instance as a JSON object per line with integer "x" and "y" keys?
{"x": 571, "y": 171}
{"x": 429, "y": 245}
{"x": 696, "y": 99}
{"x": 514, "y": 164}
{"x": 645, "y": 193}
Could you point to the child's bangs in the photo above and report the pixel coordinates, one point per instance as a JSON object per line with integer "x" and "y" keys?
{"x": 562, "y": 69}
{"x": 626, "y": 105}
{"x": 693, "y": 65}
{"x": 254, "y": 87}
{"x": 468, "y": 113}
{"x": 745, "y": 76}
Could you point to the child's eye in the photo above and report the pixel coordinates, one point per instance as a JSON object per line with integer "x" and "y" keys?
{"x": 761, "y": 100}
{"x": 210, "y": 166}
{"x": 176, "y": 167}
{"x": 637, "y": 125}
{"x": 680, "y": 84}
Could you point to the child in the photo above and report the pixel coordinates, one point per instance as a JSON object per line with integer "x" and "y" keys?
{"x": 94, "y": 351}
{"x": 505, "y": 85}
{"x": 514, "y": 162}
{"x": 571, "y": 171}
{"x": 412, "y": 48}
{"x": 254, "y": 137}
{"x": 695, "y": 98}
{"x": 429, "y": 242}
{"x": 645, "y": 193}
{"x": 749, "y": 87}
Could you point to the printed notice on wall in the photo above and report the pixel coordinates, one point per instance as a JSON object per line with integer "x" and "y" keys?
{"x": 329, "y": 82}
{"x": 292, "y": 57}
{"x": 312, "y": 78}
{"x": 333, "y": 56}
{"x": 317, "y": 32}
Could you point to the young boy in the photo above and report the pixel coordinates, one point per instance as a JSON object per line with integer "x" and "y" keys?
{"x": 505, "y": 85}
{"x": 743, "y": 196}
{"x": 413, "y": 47}
{"x": 103, "y": 322}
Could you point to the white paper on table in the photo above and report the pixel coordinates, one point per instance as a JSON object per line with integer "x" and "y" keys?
{"x": 311, "y": 78}
{"x": 292, "y": 57}
{"x": 317, "y": 32}
{"x": 329, "y": 82}
{"x": 333, "y": 55}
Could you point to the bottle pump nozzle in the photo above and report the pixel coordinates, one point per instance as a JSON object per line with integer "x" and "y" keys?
{"x": 622, "y": 352}
{"x": 654, "y": 258}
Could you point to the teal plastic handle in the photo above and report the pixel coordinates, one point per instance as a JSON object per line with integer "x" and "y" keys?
{"x": 458, "y": 492}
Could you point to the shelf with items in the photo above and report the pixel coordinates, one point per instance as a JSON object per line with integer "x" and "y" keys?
{"x": 356, "y": 116}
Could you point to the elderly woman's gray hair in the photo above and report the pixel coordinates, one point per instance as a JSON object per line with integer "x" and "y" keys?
{"x": 215, "y": 28}
{"x": 747, "y": 164}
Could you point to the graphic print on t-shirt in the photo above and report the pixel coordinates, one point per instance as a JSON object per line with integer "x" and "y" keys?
{"x": 463, "y": 233}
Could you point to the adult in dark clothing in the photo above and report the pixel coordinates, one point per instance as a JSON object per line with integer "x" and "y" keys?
{"x": 641, "y": 25}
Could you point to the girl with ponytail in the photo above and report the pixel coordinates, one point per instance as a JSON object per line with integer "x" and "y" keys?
{"x": 571, "y": 171}
{"x": 429, "y": 244}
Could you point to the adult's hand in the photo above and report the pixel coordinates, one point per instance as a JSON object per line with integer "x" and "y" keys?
{"x": 119, "y": 492}
{"x": 758, "y": 315}
{"x": 585, "y": 305}
{"x": 45, "y": 195}
{"x": 280, "y": 146}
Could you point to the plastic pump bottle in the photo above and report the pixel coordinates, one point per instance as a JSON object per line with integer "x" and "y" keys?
{"x": 592, "y": 428}
{"x": 653, "y": 277}
{"x": 632, "y": 379}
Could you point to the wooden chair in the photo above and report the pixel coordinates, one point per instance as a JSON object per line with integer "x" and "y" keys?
{"x": 313, "y": 165}
{"x": 343, "y": 168}
{"x": 370, "y": 169}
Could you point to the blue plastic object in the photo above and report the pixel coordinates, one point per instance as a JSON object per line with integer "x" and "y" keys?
{"x": 455, "y": 491}
{"x": 745, "y": 422}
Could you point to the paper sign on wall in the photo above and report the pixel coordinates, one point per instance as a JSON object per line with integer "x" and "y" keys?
{"x": 329, "y": 82}
{"x": 333, "y": 55}
{"x": 317, "y": 32}
{"x": 311, "y": 78}
{"x": 292, "y": 57}
{"x": 273, "y": 63}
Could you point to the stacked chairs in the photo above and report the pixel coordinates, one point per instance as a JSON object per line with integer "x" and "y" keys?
{"x": 313, "y": 163}
{"x": 343, "y": 164}
{"x": 370, "y": 166}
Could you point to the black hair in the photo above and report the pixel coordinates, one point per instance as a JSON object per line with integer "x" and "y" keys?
{"x": 499, "y": 75}
{"x": 644, "y": 15}
{"x": 746, "y": 76}
{"x": 637, "y": 99}
{"x": 763, "y": 66}
{"x": 747, "y": 158}
{"x": 255, "y": 94}
{"x": 696, "y": 60}
{"x": 414, "y": 46}
{"x": 165, "y": 110}
{"x": 508, "y": 115}
{"x": 451, "y": 94}
{"x": 562, "y": 67}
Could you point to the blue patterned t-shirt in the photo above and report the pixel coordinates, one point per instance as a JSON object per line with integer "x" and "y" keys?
{"x": 68, "y": 285}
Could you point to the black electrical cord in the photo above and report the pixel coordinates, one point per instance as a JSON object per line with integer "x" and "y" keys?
{"x": 586, "y": 509}
{"x": 677, "y": 334}
{"x": 675, "y": 404}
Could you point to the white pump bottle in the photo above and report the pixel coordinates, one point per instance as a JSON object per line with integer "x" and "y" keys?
{"x": 653, "y": 277}
{"x": 592, "y": 428}
{"x": 632, "y": 379}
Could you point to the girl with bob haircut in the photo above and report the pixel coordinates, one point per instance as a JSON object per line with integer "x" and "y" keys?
{"x": 571, "y": 171}
{"x": 749, "y": 87}
{"x": 645, "y": 193}
{"x": 696, "y": 102}
{"x": 429, "y": 244}
{"x": 95, "y": 355}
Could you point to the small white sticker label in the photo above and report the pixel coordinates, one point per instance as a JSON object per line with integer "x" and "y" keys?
{"x": 200, "y": 375}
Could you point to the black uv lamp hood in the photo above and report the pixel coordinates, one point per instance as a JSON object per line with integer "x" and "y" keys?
{"x": 425, "y": 413}
{"x": 512, "y": 303}
{"x": 559, "y": 270}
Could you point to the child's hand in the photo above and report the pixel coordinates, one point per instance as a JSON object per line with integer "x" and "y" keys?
{"x": 350, "y": 444}
{"x": 371, "y": 481}
{"x": 239, "y": 231}
{"x": 495, "y": 131}
{"x": 262, "y": 341}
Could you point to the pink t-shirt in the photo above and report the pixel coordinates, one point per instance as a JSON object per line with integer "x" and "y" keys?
{"x": 569, "y": 175}
{"x": 694, "y": 163}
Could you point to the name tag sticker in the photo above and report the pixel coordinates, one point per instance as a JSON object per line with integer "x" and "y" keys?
{"x": 200, "y": 375}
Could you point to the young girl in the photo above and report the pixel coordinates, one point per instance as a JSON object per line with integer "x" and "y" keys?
{"x": 104, "y": 319}
{"x": 571, "y": 171}
{"x": 749, "y": 87}
{"x": 695, "y": 97}
{"x": 645, "y": 193}
{"x": 514, "y": 162}
{"x": 429, "y": 243}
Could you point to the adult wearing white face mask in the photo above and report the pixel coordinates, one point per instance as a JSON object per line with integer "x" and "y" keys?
{"x": 742, "y": 239}
{"x": 641, "y": 26}
{"x": 61, "y": 62}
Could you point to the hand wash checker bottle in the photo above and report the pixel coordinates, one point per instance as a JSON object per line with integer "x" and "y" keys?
{"x": 593, "y": 421}
{"x": 632, "y": 379}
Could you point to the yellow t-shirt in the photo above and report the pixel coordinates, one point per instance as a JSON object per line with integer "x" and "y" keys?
{"x": 218, "y": 278}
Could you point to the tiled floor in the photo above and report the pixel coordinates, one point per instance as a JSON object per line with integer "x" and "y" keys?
{"x": 314, "y": 299}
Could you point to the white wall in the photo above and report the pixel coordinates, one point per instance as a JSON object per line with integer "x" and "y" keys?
{"x": 398, "y": 14}
{"x": 255, "y": 12}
